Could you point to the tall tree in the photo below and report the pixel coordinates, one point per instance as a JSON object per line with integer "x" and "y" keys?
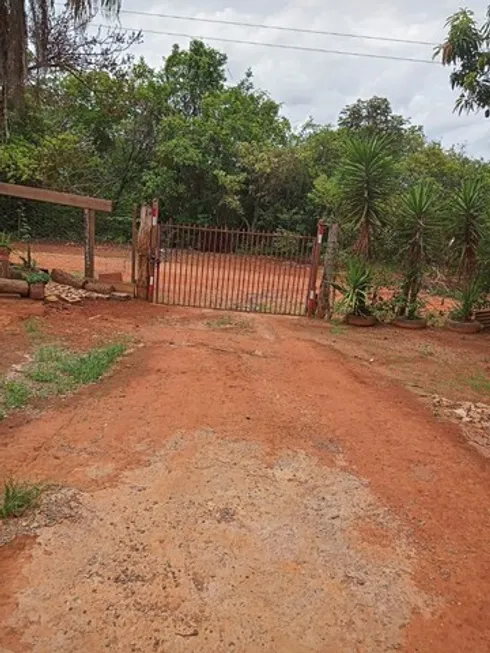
{"x": 366, "y": 176}
{"x": 467, "y": 49}
{"x": 416, "y": 231}
{"x": 372, "y": 117}
{"x": 23, "y": 23}
{"x": 468, "y": 207}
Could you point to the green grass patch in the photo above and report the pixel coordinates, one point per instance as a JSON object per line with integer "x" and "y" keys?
{"x": 17, "y": 498}
{"x": 479, "y": 383}
{"x": 56, "y": 370}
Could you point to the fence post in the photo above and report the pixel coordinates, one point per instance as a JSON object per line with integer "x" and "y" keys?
{"x": 89, "y": 218}
{"x": 327, "y": 291}
{"x": 144, "y": 240}
{"x": 134, "y": 243}
{"x": 311, "y": 300}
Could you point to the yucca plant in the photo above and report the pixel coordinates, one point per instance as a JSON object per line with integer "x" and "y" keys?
{"x": 468, "y": 299}
{"x": 366, "y": 176}
{"x": 357, "y": 285}
{"x": 468, "y": 207}
{"x": 416, "y": 231}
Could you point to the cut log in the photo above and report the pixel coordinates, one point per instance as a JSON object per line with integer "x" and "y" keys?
{"x": 14, "y": 286}
{"x": 66, "y": 279}
{"x": 95, "y": 286}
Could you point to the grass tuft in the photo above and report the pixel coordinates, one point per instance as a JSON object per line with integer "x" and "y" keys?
{"x": 17, "y": 498}
{"x": 14, "y": 394}
{"x": 32, "y": 328}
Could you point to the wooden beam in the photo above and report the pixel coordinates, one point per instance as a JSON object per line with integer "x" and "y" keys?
{"x": 54, "y": 197}
{"x": 89, "y": 243}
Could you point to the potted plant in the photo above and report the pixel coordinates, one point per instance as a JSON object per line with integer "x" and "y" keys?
{"x": 461, "y": 317}
{"x": 37, "y": 281}
{"x": 415, "y": 230}
{"x": 407, "y": 313}
{"x": 358, "y": 283}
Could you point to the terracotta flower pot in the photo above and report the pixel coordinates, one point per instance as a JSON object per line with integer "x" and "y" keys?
{"x": 463, "y": 327}
{"x": 407, "y": 323}
{"x": 361, "y": 320}
{"x": 36, "y": 290}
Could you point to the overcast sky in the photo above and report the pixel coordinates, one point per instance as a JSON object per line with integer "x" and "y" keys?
{"x": 319, "y": 84}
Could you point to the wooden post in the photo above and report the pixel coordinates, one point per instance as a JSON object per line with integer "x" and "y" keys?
{"x": 153, "y": 250}
{"x": 134, "y": 243}
{"x": 311, "y": 300}
{"x": 89, "y": 216}
{"x": 144, "y": 242}
{"x": 326, "y": 298}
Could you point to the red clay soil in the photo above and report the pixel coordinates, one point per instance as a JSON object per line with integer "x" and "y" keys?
{"x": 255, "y": 423}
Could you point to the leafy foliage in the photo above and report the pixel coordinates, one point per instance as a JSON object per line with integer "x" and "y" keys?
{"x": 467, "y": 49}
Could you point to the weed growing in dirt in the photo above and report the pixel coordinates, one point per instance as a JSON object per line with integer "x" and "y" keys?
{"x": 227, "y": 321}
{"x": 32, "y": 328}
{"x": 17, "y": 498}
{"x": 13, "y": 394}
{"x": 337, "y": 329}
{"x": 56, "y": 370}
{"x": 479, "y": 383}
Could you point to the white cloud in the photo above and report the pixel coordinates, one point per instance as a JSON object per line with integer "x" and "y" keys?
{"x": 317, "y": 84}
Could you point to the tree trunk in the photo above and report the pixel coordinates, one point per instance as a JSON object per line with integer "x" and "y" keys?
{"x": 325, "y": 300}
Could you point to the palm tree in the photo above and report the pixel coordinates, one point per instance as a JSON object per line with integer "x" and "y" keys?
{"x": 366, "y": 182}
{"x": 416, "y": 231}
{"x": 25, "y": 23}
{"x": 468, "y": 209}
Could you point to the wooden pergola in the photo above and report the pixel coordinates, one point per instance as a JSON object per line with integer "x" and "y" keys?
{"x": 89, "y": 205}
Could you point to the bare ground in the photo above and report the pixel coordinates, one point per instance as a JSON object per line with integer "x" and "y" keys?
{"x": 248, "y": 484}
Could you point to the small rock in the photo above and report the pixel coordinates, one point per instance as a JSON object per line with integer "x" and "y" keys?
{"x": 460, "y": 412}
{"x": 51, "y": 299}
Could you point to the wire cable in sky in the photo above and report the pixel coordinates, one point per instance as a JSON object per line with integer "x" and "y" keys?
{"x": 300, "y": 30}
{"x": 347, "y": 53}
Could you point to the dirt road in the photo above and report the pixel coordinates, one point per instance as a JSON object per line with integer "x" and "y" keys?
{"x": 245, "y": 487}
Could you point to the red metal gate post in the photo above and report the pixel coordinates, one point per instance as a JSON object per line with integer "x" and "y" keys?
{"x": 311, "y": 299}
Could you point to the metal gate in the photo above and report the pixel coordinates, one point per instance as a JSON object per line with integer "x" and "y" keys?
{"x": 234, "y": 270}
